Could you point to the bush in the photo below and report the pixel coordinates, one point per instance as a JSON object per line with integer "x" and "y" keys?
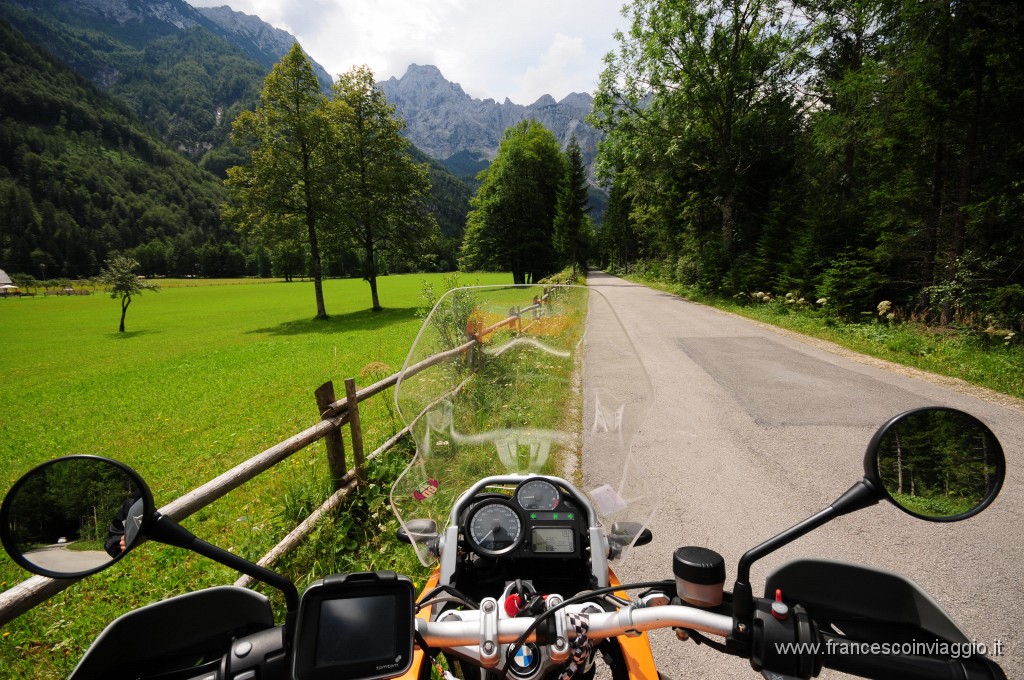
{"x": 687, "y": 270}
{"x": 566, "y": 277}
{"x": 1004, "y": 307}
{"x": 851, "y": 285}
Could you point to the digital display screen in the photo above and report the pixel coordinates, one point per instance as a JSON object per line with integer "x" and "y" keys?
{"x": 345, "y": 635}
{"x": 553, "y": 540}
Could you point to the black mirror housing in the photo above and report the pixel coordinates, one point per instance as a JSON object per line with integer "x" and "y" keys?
{"x": 74, "y": 516}
{"x": 418, "y": 531}
{"x": 936, "y": 463}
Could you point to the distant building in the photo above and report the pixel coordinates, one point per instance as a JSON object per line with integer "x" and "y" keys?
{"x": 5, "y": 280}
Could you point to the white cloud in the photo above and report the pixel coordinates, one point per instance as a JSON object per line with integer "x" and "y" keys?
{"x": 558, "y": 66}
{"x": 493, "y": 49}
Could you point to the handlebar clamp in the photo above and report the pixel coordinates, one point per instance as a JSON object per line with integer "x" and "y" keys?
{"x": 490, "y": 650}
{"x": 558, "y": 650}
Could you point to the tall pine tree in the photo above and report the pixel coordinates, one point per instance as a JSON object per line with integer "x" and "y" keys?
{"x": 572, "y": 227}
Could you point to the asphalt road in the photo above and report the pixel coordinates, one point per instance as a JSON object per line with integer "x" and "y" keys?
{"x": 753, "y": 430}
{"x": 58, "y": 558}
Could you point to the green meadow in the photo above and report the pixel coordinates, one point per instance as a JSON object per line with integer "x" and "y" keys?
{"x": 205, "y": 377}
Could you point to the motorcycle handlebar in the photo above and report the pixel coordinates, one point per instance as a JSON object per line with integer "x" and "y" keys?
{"x": 835, "y": 652}
{"x": 467, "y": 632}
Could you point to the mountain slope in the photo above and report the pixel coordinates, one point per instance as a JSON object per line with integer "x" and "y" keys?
{"x": 80, "y": 177}
{"x": 448, "y": 124}
{"x": 71, "y": 189}
{"x": 186, "y": 75}
{"x": 261, "y": 41}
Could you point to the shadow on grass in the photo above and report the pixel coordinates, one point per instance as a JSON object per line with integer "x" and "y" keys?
{"x": 127, "y": 335}
{"x": 363, "y": 320}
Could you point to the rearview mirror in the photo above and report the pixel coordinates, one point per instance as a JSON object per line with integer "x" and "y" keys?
{"x": 936, "y": 463}
{"x": 417, "y": 531}
{"x": 74, "y": 516}
{"x": 623, "y": 534}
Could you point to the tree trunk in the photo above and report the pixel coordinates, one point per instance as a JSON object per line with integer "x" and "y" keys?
{"x": 314, "y": 244}
{"x": 371, "y": 268}
{"x": 314, "y": 255}
{"x": 853, "y": 110}
{"x": 125, "y": 301}
{"x": 935, "y": 215}
{"x": 899, "y": 466}
{"x": 966, "y": 180}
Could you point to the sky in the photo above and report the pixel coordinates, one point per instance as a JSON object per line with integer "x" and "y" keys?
{"x": 519, "y": 49}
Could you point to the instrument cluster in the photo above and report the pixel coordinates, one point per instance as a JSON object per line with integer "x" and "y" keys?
{"x": 538, "y": 520}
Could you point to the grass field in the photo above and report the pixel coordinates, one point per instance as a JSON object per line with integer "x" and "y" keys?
{"x": 205, "y": 377}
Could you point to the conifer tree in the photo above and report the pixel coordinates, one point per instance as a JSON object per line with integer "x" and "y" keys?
{"x": 572, "y": 225}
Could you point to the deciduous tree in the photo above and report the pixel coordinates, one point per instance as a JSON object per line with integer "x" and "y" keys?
{"x": 120, "y": 275}
{"x": 511, "y": 224}
{"x": 382, "y": 205}
{"x": 288, "y": 191}
{"x": 698, "y": 105}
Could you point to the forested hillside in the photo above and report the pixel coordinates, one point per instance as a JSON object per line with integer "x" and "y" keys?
{"x": 102, "y": 107}
{"x": 854, "y": 152}
{"x": 80, "y": 177}
{"x": 449, "y": 201}
{"x": 176, "y": 73}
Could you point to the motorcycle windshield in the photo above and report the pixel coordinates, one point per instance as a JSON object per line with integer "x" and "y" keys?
{"x": 520, "y": 380}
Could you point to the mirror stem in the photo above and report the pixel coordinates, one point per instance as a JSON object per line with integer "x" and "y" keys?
{"x": 859, "y": 496}
{"x": 166, "y": 530}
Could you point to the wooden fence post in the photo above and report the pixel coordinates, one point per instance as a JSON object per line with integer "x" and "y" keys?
{"x": 355, "y": 430}
{"x": 335, "y": 444}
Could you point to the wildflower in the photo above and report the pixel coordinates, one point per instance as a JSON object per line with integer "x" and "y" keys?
{"x": 822, "y": 301}
{"x": 884, "y": 307}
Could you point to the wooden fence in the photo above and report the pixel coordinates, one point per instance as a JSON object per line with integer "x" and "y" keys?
{"x": 334, "y": 415}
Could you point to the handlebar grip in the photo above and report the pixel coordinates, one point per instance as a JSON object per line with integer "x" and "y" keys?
{"x": 838, "y": 653}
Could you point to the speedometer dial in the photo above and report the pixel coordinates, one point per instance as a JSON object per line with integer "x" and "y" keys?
{"x": 494, "y": 528}
{"x": 538, "y": 494}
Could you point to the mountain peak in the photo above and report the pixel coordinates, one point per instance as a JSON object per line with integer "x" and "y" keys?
{"x": 424, "y": 71}
{"x": 442, "y": 120}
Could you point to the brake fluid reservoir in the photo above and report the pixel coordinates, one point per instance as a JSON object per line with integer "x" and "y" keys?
{"x": 700, "y": 576}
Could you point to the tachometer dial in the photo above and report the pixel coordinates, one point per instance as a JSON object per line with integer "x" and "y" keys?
{"x": 538, "y": 494}
{"x": 494, "y": 528}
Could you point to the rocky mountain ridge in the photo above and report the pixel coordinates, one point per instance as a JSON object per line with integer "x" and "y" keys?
{"x": 446, "y": 122}
{"x": 173, "y": 12}
{"x": 248, "y": 31}
{"x": 137, "y": 23}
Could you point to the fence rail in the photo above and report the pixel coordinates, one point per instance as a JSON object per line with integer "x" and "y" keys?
{"x": 334, "y": 414}
{"x": 25, "y": 595}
